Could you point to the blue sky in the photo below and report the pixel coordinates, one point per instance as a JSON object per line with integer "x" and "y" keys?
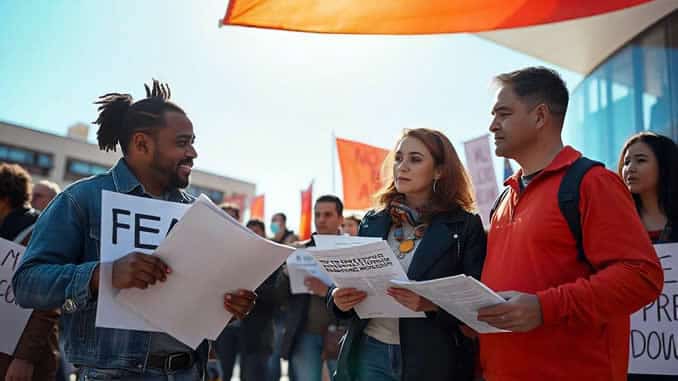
{"x": 264, "y": 103}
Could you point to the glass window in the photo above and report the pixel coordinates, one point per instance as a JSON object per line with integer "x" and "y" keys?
{"x": 216, "y": 196}
{"x": 31, "y": 160}
{"x": 633, "y": 90}
{"x": 77, "y": 169}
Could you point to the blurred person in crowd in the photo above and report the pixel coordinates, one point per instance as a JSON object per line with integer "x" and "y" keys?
{"x": 280, "y": 235}
{"x": 43, "y": 192}
{"x": 251, "y": 341}
{"x": 425, "y": 213}
{"x": 648, "y": 165}
{"x": 36, "y": 354}
{"x": 279, "y": 229}
{"x": 569, "y": 296}
{"x": 350, "y": 225}
{"x": 257, "y": 226}
{"x": 310, "y": 328}
{"x": 60, "y": 267}
{"x": 231, "y": 209}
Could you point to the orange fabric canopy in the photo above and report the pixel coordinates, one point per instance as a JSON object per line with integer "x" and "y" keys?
{"x": 411, "y": 16}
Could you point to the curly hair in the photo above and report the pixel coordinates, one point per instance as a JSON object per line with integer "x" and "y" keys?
{"x": 15, "y": 184}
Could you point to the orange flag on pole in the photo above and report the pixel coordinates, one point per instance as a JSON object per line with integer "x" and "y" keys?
{"x": 411, "y": 16}
{"x": 306, "y": 213}
{"x": 360, "y": 171}
{"x": 257, "y": 207}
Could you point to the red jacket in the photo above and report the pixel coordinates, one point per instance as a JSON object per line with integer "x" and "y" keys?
{"x": 585, "y": 331}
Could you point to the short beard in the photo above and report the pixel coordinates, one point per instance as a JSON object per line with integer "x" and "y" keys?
{"x": 168, "y": 172}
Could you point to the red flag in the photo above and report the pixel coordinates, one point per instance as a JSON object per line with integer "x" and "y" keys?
{"x": 411, "y": 16}
{"x": 360, "y": 172}
{"x": 257, "y": 207}
{"x": 306, "y": 213}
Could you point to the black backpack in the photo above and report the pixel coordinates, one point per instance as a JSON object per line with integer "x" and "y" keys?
{"x": 568, "y": 200}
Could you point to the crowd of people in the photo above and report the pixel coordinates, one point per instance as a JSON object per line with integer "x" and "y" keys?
{"x": 569, "y": 246}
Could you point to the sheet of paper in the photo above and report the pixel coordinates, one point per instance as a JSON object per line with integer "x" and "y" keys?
{"x": 300, "y": 265}
{"x": 13, "y": 318}
{"x": 129, "y": 223}
{"x": 368, "y": 267}
{"x": 210, "y": 254}
{"x": 460, "y": 295}
{"x": 654, "y": 328}
{"x": 325, "y": 241}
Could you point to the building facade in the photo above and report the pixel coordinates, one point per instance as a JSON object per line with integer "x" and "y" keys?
{"x": 633, "y": 90}
{"x": 64, "y": 159}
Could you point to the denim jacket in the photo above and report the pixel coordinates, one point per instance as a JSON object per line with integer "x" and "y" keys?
{"x": 58, "y": 264}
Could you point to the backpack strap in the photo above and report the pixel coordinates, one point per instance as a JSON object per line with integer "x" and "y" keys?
{"x": 568, "y": 199}
{"x": 497, "y": 202}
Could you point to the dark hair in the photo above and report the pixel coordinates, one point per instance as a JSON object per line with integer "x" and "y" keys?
{"x": 454, "y": 189}
{"x": 15, "y": 184}
{"x": 336, "y": 200}
{"x": 119, "y": 118}
{"x": 666, "y": 152}
{"x": 227, "y": 206}
{"x": 354, "y": 218}
{"x": 281, "y": 215}
{"x": 538, "y": 85}
{"x": 256, "y": 222}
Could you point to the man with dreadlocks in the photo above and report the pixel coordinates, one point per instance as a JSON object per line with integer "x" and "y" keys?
{"x": 60, "y": 267}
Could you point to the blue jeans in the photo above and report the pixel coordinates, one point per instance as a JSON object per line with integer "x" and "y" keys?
{"x": 93, "y": 374}
{"x": 378, "y": 361}
{"x": 274, "y": 360}
{"x": 228, "y": 347}
{"x": 306, "y": 362}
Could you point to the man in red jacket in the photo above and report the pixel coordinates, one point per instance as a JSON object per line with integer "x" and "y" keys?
{"x": 568, "y": 317}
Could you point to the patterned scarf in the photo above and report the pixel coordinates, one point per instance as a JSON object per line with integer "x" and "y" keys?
{"x": 400, "y": 214}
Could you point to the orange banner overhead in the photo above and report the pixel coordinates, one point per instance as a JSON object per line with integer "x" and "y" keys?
{"x": 411, "y": 16}
{"x": 257, "y": 207}
{"x": 360, "y": 171}
{"x": 306, "y": 213}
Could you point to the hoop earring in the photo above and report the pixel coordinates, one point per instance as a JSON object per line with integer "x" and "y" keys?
{"x": 435, "y": 185}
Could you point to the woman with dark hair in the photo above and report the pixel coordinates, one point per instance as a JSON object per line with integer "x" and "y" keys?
{"x": 425, "y": 213}
{"x": 648, "y": 164}
{"x": 649, "y": 167}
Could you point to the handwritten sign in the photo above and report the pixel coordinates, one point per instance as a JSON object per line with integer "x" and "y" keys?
{"x": 654, "y": 329}
{"x": 128, "y": 224}
{"x": 13, "y": 318}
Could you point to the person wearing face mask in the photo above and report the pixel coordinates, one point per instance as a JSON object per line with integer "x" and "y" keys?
{"x": 425, "y": 212}
{"x": 648, "y": 164}
{"x": 280, "y": 235}
{"x": 279, "y": 229}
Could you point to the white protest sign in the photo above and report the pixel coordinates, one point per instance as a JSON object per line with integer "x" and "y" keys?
{"x": 13, "y": 318}
{"x": 481, "y": 168}
{"x": 210, "y": 254}
{"x": 129, "y": 223}
{"x": 654, "y": 329}
{"x": 300, "y": 265}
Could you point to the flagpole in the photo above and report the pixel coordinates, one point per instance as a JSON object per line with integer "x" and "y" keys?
{"x": 334, "y": 164}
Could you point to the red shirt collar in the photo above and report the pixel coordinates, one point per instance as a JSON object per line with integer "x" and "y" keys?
{"x": 563, "y": 159}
